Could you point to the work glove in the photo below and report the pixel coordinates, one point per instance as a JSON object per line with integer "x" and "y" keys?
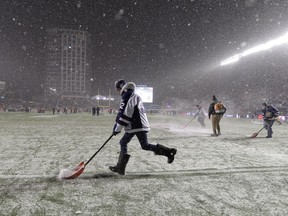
{"x": 114, "y": 133}
{"x": 117, "y": 129}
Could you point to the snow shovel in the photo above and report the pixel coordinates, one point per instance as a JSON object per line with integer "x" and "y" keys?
{"x": 256, "y": 134}
{"x": 74, "y": 173}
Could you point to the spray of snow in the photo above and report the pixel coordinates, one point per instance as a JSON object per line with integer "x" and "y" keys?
{"x": 63, "y": 173}
{"x": 189, "y": 130}
{"x": 180, "y": 129}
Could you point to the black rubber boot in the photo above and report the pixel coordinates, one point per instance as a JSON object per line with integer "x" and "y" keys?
{"x": 168, "y": 152}
{"x": 121, "y": 165}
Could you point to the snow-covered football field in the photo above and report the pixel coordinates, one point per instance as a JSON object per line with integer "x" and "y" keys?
{"x": 228, "y": 175}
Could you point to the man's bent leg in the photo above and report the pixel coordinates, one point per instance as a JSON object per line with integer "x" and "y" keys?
{"x": 158, "y": 149}
{"x": 143, "y": 140}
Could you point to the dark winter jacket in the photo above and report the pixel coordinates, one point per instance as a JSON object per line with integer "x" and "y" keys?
{"x": 270, "y": 112}
{"x": 131, "y": 113}
{"x": 212, "y": 111}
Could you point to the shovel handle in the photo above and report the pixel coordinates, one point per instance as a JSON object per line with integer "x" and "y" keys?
{"x": 266, "y": 124}
{"x": 261, "y": 128}
{"x": 99, "y": 149}
{"x": 191, "y": 120}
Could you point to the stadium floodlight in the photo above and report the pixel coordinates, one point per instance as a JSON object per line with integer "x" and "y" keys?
{"x": 231, "y": 60}
{"x": 146, "y": 93}
{"x": 254, "y": 50}
{"x": 259, "y": 48}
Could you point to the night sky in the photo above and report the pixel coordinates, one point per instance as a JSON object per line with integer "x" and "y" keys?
{"x": 174, "y": 46}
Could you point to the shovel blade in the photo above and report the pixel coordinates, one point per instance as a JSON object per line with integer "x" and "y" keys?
{"x": 72, "y": 174}
{"x": 254, "y": 135}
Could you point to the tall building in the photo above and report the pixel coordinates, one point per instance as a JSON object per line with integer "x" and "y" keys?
{"x": 67, "y": 63}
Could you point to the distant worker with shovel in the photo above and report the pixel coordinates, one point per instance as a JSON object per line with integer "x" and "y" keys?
{"x": 132, "y": 117}
{"x": 201, "y": 115}
{"x": 269, "y": 114}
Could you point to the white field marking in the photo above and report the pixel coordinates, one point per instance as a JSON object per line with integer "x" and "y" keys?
{"x": 211, "y": 171}
{"x": 45, "y": 116}
{"x": 257, "y": 122}
{"x": 196, "y": 172}
{"x": 26, "y": 176}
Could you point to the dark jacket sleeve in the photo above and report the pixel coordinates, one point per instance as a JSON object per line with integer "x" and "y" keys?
{"x": 211, "y": 109}
{"x": 121, "y": 118}
{"x": 274, "y": 112}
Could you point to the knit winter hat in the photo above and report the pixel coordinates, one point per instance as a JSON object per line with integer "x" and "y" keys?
{"x": 264, "y": 104}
